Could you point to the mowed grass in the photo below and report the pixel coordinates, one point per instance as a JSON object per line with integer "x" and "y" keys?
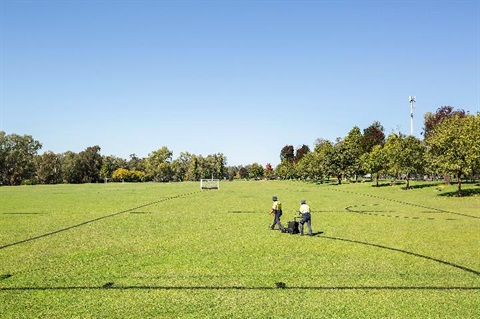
{"x": 173, "y": 251}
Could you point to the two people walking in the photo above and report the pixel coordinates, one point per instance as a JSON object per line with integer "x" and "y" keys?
{"x": 304, "y": 211}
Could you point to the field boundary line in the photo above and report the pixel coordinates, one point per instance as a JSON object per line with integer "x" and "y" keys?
{"x": 286, "y": 287}
{"x": 473, "y": 271}
{"x": 349, "y": 209}
{"x": 94, "y": 220}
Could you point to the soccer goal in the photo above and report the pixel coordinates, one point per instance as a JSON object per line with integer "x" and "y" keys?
{"x": 209, "y": 184}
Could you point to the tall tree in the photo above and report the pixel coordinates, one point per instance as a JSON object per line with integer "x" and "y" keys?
{"x": 180, "y": 166}
{"x": 352, "y": 148}
{"x": 325, "y": 151}
{"x": 193, "y": 172}
{"x": 375, "y": 162}
{"x": 136, "y": 163}
{"x": 301, "y": 152}
{"x": 110, "y": 164}
{"x": 453, "y": 147}
{"x": 311, "y": 166}
{"x": 17, "y": 158}
{"x": 72, "y": 168}
{"x": 232, "y": 172}
{"x": 269, "y": 171}
{"x": 287, "y": 153}
{"x": 3, "y": 156}
{"x": 344, "y": 159}
{"x": 256, "y": 171}
{"x": 159, "y": 165}
{"x": 48, "y": 168}
{"x": 431, "y": 120}
{"x": 219, "y": 162}
{"x": 286, "y": 169}
{"x": 373, "y": 135}
{"x": 405, "y": 155}
{"x": 91, "y": 161}
{"x": 243, "y": 172}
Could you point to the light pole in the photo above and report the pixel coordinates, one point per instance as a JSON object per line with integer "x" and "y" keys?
{"x": 412, "y": 101}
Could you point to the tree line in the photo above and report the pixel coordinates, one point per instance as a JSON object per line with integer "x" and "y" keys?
{"x": 20, "y": 164}
{"x": 449, "y": 147}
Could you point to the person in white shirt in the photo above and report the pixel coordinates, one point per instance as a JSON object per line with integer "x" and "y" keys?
{"x": 306, "y": 217}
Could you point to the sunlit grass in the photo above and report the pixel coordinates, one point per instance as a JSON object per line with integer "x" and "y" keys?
{"x": 141, "y": 250}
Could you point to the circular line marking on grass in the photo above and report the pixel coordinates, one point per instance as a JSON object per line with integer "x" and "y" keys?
{"x": 350, "y": 209}
{"x": 241, "y": 211}
{"x": 93, "y": 220}
{"x": 473, "y": 271}
{"x": 405, "y": 203}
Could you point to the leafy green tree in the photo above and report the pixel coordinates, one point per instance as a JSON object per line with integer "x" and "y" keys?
{"x": 431, "y": 120}
{"x": 375, "y": 162}
{"x": 256, "y": 171}
{"x": 159, "y": 165}
{"x": 72, "y": 168}
{"x": 3, "y": 157}
{"x": 205, "y": 167}
{"x": 212, "y": 166}
{"x": 192, "y": 172}
{"x": 110, "y": 164}
{"x": 315, "y": 165}
{"x": 215, "y": 165}
{"x": 17, "y": 158}
{"x": 335, "y": 162}
{"x": 392, "y": 148}
{"x": 180, "y": 166}
{"x": 343, "y": 160}
{"x": 352, "y": 151}
{"x": 286, "y": 169}
{"x": 232, "y": 172}
{"x": 324, "y": 150}
{"x": 48, "y": 168}
{"x": 405, "y": 155}
{"x": 453, "y": 147}
{"x": 91, "y": 162}
{"x": 136, "y": 163}
{"x": 310, "y": 167}
{"x": 243, "y": 172}
{"x": 269, "y": 171}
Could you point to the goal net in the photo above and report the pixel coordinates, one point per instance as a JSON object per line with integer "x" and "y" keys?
{"x": 209, "y": 184}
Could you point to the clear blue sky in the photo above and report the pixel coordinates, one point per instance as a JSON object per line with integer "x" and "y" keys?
{"x": 242, "y": 78}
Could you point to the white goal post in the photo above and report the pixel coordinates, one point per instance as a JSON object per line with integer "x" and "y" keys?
{"x": 209, "y": 184}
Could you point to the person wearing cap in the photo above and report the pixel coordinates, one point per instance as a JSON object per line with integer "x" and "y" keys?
{"x": 277, "y": 212}
{"x": 306, "y": 217}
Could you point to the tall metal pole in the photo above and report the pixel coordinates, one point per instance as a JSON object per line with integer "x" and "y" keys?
{"x": 412, "y": 101}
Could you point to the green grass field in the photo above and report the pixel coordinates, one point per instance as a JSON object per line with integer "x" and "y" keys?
{"x": 173, "y": 251}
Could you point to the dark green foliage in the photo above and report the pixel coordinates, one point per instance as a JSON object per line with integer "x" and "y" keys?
{"x": 17, "y": 158}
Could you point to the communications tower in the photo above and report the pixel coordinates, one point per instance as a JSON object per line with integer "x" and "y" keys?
{"x": 412, "y": 101}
